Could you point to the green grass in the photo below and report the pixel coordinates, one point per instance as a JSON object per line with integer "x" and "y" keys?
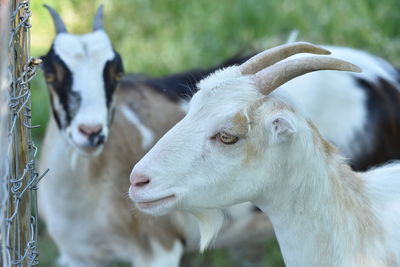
{"x": 164, "y": 36}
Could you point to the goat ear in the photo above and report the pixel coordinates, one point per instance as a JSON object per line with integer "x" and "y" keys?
{"x": 281, "y": 127}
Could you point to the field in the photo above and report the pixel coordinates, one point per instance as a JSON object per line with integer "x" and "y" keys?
{"x": 164, "y": 36}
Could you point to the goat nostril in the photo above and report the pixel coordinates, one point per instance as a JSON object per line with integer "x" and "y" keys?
{"x": 140, "y": 180}
{"x": 87, "y": 129}
{"x": 141, "y": 183}
{"x": 82, "y": 130}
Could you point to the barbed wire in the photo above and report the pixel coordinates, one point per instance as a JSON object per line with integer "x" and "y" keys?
{"x": 18, "y": 208}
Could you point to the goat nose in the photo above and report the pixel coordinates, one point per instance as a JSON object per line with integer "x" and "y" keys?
{"x": 90, "y": 129}
{"x": 139, "y": 180}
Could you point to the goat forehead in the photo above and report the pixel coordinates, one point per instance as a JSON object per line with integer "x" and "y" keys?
{"x": 223, "y": 102}
{"x": 75, "y": 49}
{"x": 219, "y": 78}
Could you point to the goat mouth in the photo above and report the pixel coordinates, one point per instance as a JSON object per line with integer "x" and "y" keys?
{"x": 87, "y": 149}
{"x": 153, "y": 203}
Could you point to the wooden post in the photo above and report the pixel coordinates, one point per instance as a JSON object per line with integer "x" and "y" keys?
{"x": 19, "y": 235}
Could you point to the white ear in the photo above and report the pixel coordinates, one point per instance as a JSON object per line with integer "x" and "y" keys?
{"x": 281, "y": 126}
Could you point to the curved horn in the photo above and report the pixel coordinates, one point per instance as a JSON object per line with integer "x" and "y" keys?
{"x": 58, "y": 23}
{"x": 98, "y": 19}
{"x": 269, "y": 79}
{"x": 276, "y": 54}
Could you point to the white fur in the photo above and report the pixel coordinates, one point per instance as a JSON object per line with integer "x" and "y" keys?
{"x": 145, "y": 132}
{"x": 321, "y": 99}
{"x": 281, "y": 165}
{"x": 167, "y": 258}
{"x": 373, "y": 67}
{"x": 324, "y": 93}
{"x": 184, "y": 105}
{"x": 210, "y": 223}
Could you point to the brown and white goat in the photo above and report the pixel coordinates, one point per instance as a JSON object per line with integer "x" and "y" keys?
{"x": 241, "y": 142}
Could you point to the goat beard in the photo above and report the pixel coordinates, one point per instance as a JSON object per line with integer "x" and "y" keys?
{"x": 210, "y": 222}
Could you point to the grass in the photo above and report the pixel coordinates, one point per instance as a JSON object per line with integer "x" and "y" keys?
{"x": 164, "y": 36}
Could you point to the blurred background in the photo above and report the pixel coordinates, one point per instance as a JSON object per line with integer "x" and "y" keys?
{"x": 159, "y": 37}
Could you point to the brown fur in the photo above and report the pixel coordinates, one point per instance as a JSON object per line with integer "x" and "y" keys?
{"x": 104, "y": 180}
{"x": 60, "y": 72}
{"x": 243, "y": 120}
{"x": 328, "y": 148}
{"x": 124, "y": 149}
{"x": 240, "y": 124}
{"x": 348, "y": 190}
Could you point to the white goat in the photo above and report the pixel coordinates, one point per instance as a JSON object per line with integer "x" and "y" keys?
{"x": 99, "y": 121}
{"x": 240, "y": 142}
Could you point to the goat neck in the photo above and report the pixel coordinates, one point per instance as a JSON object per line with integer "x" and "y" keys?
{"x": 321, "y": 210}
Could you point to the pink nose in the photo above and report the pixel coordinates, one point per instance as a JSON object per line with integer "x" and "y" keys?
{"x": 139, "y": 180}
{"x": 90, "y": 129}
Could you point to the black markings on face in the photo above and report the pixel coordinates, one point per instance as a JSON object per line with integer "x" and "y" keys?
{"x": 113, "y": 70}
{"x": 59, "y": 80}
{"x": 96, "y": 139}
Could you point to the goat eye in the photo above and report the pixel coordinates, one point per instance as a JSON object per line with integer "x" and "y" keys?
{"x": 226, "y": 138}
{"x": 50, "y": 78}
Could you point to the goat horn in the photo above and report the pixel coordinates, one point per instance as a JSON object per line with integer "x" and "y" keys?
{"x": 58, "y": 23}
{"x": 276, "y": 54}
{"x": 98, "y": 19}
{"x": 269, "y": 79}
